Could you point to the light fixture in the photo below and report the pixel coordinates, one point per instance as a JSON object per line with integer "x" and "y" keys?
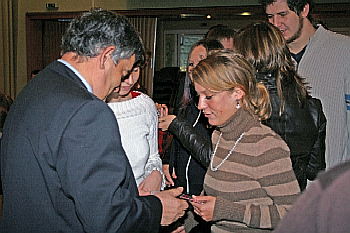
{"x": 246, "y": 13}
{"x": 208, "y": 16}
{"x": 191, "y": 15}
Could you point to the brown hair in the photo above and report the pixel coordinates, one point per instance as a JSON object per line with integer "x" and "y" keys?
{"x": 209, "y": 45}
{"x": 264, "y": 46}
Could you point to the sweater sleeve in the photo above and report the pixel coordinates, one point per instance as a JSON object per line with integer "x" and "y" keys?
{"x": 154, "y": 161}
{"x": 347, "y": 100}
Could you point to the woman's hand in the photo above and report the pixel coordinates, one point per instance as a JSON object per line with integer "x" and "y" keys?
{"x": 205, "y": 210}
{"x": 180, "y": 229}
{"x": 168, "y": 178}
{"x": 165, "y": 121}
{"x": 152, "y": 182}
{"x": 162, "y": 110}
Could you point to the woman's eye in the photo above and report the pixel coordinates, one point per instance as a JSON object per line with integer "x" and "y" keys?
{"x": 191, "y": 64}
{"x": 208, "y": 97}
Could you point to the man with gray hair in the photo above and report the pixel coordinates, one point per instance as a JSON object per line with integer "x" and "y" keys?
{"x": 63, "y": 165}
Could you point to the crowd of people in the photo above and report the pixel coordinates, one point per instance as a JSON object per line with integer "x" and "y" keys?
{"x": 259, "y": 116}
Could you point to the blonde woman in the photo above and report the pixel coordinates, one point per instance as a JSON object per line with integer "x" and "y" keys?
{"x": 250, "y": 183}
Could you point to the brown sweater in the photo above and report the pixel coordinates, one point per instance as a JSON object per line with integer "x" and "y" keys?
{"x": 256, "y": 185}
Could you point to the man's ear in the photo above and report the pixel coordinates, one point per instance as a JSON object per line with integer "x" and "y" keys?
{"x": 106, "y": 55}
{"x": 304, "y": 13}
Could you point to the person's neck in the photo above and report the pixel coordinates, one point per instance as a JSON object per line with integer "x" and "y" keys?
{"x": 307, "y": 32}
{"x": 119, "y": 98}
{"x": 88, "y": 68}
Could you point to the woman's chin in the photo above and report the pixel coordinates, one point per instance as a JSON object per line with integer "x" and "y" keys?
{"x": 212, "y": 121}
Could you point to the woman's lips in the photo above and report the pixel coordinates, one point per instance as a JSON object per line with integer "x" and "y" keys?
{"x": 125, "y": 88}
{"x": 207, "y": 114}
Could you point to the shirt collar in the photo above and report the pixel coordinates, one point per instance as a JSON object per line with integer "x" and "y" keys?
{"x": 67, "y": 64}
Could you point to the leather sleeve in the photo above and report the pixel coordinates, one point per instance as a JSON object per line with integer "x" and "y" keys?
{"x": 317, "y": 155}
{"x": 198, "y": 146}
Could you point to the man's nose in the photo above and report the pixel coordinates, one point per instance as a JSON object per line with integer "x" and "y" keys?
{"x": 275, "y": 20}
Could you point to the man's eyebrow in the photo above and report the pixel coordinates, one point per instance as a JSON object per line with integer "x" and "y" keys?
{"x": 278, "y": 13}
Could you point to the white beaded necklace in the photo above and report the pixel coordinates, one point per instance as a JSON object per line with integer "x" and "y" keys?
{"x": 228, "y": 155}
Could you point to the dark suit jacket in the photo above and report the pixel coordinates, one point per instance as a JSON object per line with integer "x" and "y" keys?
{"x": 63, "y": 165}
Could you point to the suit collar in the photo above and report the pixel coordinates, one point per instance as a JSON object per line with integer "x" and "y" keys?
{"x": 61, "y": 69}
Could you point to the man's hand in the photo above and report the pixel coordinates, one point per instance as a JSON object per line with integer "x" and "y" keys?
{"x": 173, "y": 208}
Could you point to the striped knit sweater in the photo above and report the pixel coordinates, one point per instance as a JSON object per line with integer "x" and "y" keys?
{"x": 256, "y": 185}
{"x": 326, "y": 67}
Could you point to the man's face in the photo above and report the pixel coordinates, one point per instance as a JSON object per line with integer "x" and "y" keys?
{"x": 284, "y": 19}
{"x": 227, "y": 43}
{"x": 113, "y": 75}
{"x": 199, "y": 53}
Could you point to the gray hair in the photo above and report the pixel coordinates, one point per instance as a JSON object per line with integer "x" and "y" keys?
{"x": 96, "y": 30}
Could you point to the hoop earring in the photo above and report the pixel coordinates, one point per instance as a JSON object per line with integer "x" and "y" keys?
{"x": 238, "y": 106}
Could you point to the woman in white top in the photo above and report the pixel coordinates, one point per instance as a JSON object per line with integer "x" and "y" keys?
{"x": 137, "y": 118}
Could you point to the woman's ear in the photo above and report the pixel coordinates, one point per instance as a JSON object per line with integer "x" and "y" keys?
{"x": 239, "y": 93}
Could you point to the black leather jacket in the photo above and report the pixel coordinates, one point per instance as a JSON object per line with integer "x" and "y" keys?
{"x": 190, "y": 150}
{"x": 301, "y": 125}
{"x": 198, "y": 146}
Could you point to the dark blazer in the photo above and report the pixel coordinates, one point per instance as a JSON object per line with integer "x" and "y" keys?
{"x": 63, "y": 165}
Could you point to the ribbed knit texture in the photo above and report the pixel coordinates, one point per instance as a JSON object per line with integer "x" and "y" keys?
{"x": 138, "y": 124}
{"x": 256, "y": 185}
{"x": 326, "y": 67}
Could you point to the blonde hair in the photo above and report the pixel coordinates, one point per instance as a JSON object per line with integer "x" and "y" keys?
{"x": 225, "y": 70}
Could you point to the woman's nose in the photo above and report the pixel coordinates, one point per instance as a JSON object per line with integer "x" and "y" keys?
{"x": 201, "y": 104}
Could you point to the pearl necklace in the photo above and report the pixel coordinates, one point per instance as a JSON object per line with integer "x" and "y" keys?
{"x": 228, "y": 155}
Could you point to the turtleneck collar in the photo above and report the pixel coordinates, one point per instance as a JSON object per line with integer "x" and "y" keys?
{"x": 240, "y": 122}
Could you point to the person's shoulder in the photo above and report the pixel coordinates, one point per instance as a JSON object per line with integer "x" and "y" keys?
{"x": 267, "y": 137}
{"x": 328, "y": 177}
{"x": 144, "y": 99}
{"x": 141, "y": 104}
{"x": 142, "y": 95}
{"x": 333, "y": 37}
{"x": 263, "y": 130}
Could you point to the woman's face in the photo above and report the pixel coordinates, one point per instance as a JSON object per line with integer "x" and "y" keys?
{"x": 128, "y": 83}
{"x": 198, "y": 53}
{"x": 218, "y": 107}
